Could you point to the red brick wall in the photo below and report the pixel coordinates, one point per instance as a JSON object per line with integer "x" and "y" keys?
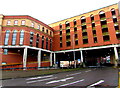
{"x": 111, "y": 31}
{"x": 26, "y": 36}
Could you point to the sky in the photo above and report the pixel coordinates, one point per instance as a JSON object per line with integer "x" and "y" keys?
{"x": 50, "y": 11}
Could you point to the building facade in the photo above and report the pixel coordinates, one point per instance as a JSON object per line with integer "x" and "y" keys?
{"x": 25, "y": 40}
{"x": 89, "y": 37}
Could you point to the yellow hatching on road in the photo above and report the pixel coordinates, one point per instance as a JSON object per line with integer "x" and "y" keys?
{"x": 119, "y": 81}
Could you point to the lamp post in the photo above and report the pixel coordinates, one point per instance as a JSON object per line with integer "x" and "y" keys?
{"x": 73, "y": 50}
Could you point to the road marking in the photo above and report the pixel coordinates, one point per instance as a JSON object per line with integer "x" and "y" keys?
{"x": 99, "y": 82}
{"x": 88, "y": 71}
{"x": 39, "y": 77}
{"x": 69, "y": 83}
{"x": 74, "y": 74}
{"x": 119, "y": 80}
{"x": 41, "y": 80}
{"x": 65, "y": 79}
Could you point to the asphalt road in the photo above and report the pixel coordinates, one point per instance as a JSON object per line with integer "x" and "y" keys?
{"x": 85, "y": 78}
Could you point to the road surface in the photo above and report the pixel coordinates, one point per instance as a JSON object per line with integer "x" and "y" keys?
{"x": 86, "y": 78}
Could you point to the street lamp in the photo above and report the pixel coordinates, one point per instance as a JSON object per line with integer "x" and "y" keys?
{"x": 73, "y": 50}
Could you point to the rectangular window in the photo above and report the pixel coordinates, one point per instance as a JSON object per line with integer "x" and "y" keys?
{"x": 42, "y": 42}
{"x": 50, "y": 33}
{"x": 5, "y": 51}
{"x": 31, "y": 38}
{"x": 46, "y": 31}
{"x": 7, "y": 37}
{"x": 21, "y": 37}
{"x": 60, "y": 45}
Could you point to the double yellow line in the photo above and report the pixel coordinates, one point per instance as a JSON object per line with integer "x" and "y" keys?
{"x": 119, "y": 78}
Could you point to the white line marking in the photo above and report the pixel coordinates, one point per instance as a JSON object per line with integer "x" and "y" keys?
{"x": 74, "y": 74}
{"x": 88, "y": 71}
{"x": 99, "y": 82}
{"x": 69, "y": 83}
{"x": 39, "y": 77}
{"x": 41, "y": 80}
{"x": 59, "y": 80}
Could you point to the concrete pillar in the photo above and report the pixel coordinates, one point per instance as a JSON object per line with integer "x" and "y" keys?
{"x": 54, "y": 58}
{"x": 81, "y": 53}
{"x": 116, "y": 56}
{"x": 39, "y": 59}
{"x": 74, "y": 59}
{"x": 25, "y": 58}
{"x": 50, "y": 59}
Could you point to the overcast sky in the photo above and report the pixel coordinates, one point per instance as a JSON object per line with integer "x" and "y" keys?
{"x": 49, "y": 11}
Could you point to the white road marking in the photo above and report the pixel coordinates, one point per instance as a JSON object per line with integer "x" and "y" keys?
{"x": 74, "y": 74}
{"x": 69, "y": 83}
{"x": 88, "y": 71}
{"x": 39, "y": 77}
{"x": 99, "y": 82}
{"x": 65, "y": 79}
{"x": 41, "y": 80}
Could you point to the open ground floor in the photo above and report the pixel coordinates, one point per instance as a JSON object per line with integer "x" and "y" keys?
{"x": 26, "y": 57}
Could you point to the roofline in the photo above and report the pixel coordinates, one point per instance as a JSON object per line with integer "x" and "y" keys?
{"x": 28, "y": 17}
{"x": 82, "y": 13}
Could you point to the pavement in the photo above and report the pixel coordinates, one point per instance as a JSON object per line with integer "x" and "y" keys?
{"x": 85, "y": 78}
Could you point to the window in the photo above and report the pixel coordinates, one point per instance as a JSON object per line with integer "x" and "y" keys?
{"x": 76, "y": 42}
{"x": 31, "y": 38}
{"x": 60, "y": 45}
{"x": 74, "y": 21}
{"x": 92, "y": 18}
{"x": 4, "y": 63}
{"x": 43, "y": 29}
{"x": 37, "y": 41}
{"x": 83, "y": 20}
{"x": 23, "y": 22}
{"x": 50, "y": 33}
{"x": 67, "y": 24}
{"x": 60, "y": 32}
{"x": 16, "y": 22}
{"x": 38, "y": 27}
{"x": 32, "y": 24}
{"x": 42, "y": 41}
{"x": 75, "y": 29}
{"x": 102, "y": 15}
{"x": 68, "y": 43}
{"x": 46, "y": 31}
{"x": 8, "y": 22}
{"x": 46, "y": 43}
{"x": 5, "y": 51}
{"x": 21, "y": 37}
{"x": 113, "y": 11}
{"x": 14, "y": 37}
{"x": 60, "y": 25}
{"x": 85, "y": 41}
{"x": 7, "y": 37}
{"x": 50, "y": 44}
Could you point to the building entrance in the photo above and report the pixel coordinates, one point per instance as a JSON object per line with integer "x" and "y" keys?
{"x": 99, "y": 57}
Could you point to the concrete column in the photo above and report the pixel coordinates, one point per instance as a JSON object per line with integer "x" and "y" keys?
{"x": 81, "y": 53}
{"x": 39, "y": 59}
{"x": 25, "y": 58}
{"x": 54, "y": 58}
{"x": 116, "y": 56}
{"x": 50, "y": 59}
